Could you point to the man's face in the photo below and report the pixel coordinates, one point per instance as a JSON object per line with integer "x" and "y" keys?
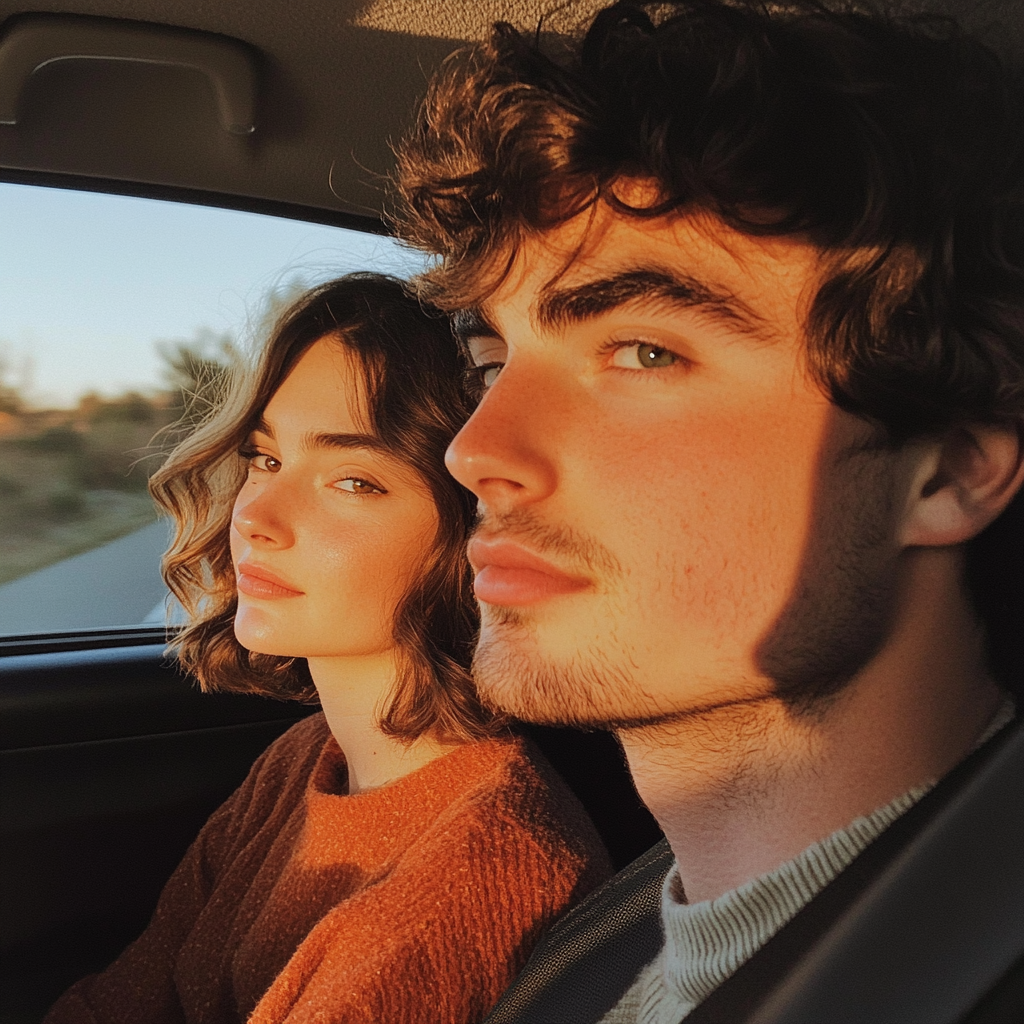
{"x": 673, "y": 515}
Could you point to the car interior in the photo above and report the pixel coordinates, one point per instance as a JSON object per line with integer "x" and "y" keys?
{"x": 110, "y": 757}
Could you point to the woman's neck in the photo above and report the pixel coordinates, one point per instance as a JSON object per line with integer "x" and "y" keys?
{"x": 353, "y": 692}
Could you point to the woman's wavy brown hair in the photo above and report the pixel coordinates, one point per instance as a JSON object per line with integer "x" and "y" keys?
{"x": 416, "y": 402}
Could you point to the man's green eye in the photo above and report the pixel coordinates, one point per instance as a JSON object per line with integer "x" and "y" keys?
{"x": 480, "y": 378}
{"x": 651, "y": 355}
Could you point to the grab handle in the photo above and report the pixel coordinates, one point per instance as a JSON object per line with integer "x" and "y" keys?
{"x": 33, "y": 42}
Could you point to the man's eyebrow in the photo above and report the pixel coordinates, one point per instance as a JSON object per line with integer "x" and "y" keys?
{"x": 561, "y": 307}
{"x": 472, "y": 323}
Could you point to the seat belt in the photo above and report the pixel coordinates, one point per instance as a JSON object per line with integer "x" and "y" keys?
{"x": 590, "y": 957}
{"x": 918, "y": 928}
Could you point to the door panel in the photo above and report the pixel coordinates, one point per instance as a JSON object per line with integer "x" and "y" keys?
{"x": 110, "y": 762}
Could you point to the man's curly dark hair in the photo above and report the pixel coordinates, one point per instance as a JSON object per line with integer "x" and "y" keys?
{"x": 893, "y": 145}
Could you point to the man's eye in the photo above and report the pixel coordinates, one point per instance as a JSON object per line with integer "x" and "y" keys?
{"x": 356, "y": 485}
{"x": 260, "y": 461}
{"x": 643, "y": 355}
{"x": 489, "y": 373}
{"x": 480, "y": 378}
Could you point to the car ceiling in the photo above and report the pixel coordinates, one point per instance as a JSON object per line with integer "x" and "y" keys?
{"x": 337, "y": 82}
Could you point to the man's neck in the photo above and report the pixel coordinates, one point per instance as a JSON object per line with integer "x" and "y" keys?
{"x": 739, "y": 790}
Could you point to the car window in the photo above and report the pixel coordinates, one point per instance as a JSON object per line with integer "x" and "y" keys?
{"x": 113, "y": 309}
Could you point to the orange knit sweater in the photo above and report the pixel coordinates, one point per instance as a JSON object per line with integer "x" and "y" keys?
{"x": 417, "y": 902}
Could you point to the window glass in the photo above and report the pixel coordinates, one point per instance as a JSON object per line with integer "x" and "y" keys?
{"x": 110, "y": 308}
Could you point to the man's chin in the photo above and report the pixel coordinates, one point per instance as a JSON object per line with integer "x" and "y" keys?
{"x": 514, "y": 676}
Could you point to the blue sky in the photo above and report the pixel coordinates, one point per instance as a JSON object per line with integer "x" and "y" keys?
{"x": 88, "y": 282}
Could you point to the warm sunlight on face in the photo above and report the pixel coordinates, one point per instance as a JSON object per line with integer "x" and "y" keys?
{"x": 674, "y": 515}
{"x": 328, "y": 531}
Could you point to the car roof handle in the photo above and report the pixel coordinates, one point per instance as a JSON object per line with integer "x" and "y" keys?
{"x": 32, "y": 42}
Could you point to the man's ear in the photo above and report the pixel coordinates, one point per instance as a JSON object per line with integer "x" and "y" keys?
{"x": 962, "y": 483}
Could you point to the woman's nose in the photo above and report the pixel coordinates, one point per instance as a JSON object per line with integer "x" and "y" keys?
{"x": 262, "y": 515}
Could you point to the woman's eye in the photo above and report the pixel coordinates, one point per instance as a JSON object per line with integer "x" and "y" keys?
{"x": 643, "y": 355}
{"x": 260, "y": 461}
{"x": 356, "y": 485}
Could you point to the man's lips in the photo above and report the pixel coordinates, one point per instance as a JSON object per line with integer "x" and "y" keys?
{"x": 507, "y": 574}
{"x": 255, "y": 581}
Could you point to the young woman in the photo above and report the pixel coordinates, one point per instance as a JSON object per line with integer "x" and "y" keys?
{"x": 394, "y": 857}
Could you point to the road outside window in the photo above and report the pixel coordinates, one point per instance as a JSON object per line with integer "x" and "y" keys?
{"x": 114, "y": 313}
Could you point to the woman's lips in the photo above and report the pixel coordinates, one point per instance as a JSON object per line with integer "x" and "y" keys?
{"x": 507, "y": 574}
{"x": 254, "y": 581}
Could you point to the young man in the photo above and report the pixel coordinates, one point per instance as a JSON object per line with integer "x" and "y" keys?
{"x": 745, "y": 290}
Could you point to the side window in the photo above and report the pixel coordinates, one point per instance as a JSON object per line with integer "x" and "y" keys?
{"x": 112, "y": 308}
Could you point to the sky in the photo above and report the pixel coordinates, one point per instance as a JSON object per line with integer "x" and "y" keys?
{"x": 89, "y": 282}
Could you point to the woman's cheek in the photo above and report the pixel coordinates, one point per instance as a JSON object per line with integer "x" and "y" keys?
{"x": 363, "y": 580}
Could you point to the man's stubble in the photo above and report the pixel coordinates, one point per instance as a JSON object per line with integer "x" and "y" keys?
{"x": 835, "y": 620}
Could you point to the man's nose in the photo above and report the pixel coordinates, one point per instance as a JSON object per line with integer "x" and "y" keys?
{"x": 506, "y": 453}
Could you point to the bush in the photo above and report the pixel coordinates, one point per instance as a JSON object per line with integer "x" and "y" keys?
{"x": 10, "y": 488}
{"x": 62, "y": 440}
{"x": 65, "y": 505}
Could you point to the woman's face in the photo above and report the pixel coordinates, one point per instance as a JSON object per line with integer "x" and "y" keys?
{"x": 328, "y": 531}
